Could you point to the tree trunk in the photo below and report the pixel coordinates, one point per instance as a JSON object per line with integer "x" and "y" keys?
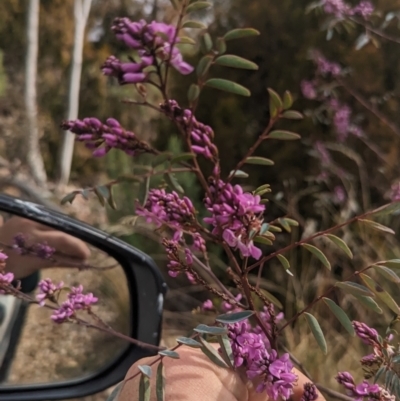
{"x": 34, "y": 157}
{"x": 81, "y": 12}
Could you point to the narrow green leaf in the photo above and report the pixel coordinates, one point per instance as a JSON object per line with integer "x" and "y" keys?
{"x": 104, "y": 191}
{"x": 377, "y": 226}
{"x": 319, "y": 254}
{"x": 185, "y": 40}
{"x": 392, "y": 263}
{"x": 212, "y": 353}
{"x": 160, "y": 382}
{"x": 241, "y": 33}
{"x": 285, "y": 225}
{"x": 385, "y": 210}
{"x": 145, "y": 369}
{"x": 380, "y": 293}
{"x": 287, "y": 100}
{"x": 238, "y": 174}
{"x": 229, "y": 318}
{"x": 212, "y": 330}
{"x": 226, "y": 350}
{"x": 275, "y": 102}
{"x": 271, "y": 298}
{"x": 275, "y": 229}
{"x": 100, "y": 197}
{"x": 262, "y": 240}
{"x": 220, "y": 44}
{"x": 194, "y": 24}
{"x": 341, "y": 244}
{"x": 173, "y": 183}
{"x": 68, "y": 198}
{"x": 227, "y": 86}
{"x": 116, "y": 391}
{"x": 229, "y": 60}
{"x": 193, "y": 93}
{"x": 144, "y": 388}
{"x": 292, "y": 115}
{"x": 169, "y": 353}
{"x": 205, "y": 43}
{"x": 160, "y": 159}
{"x": 259, "y": 160}
{"x": 204, "y": 65}
{"x": 292, "y": 222}
{"x": 340, "y": 315}
{"x": 188, "y": 342}
{"x": 263, "y": 189}
{"x": 285, "y": 263}
{"x": 85, "y": 193}
{"x": 284, "y": 135}
{"x": 183, "y": 157}
{"x": 111, "y": 200}
{"x": 316, "y": 331}
{"x": 379, "y": 373}
{"x": 197, "y": 6}
{"x": 264, "y": 228}
{"x": 354, "y": 289}
{"x": 387, "y": 273}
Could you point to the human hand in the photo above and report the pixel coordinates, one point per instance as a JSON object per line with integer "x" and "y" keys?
{"x": 194, "y": 377}
{"x": 70, "y": 251}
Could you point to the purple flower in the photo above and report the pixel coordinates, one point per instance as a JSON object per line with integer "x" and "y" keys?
{"x": 341, "y": 119}
{"x": 339, "y": 195}
{"x": 310, "y": 392}
{"x": 364, "y": 9}
{"x": 207, "y": 305}
{"x": 395, "y": 192}
{"x": 226, "y": 306}
{"x": 201, "y": 135}
{"x": 357, "y": 392}
{"x": 175, "y": 264}
{"x": 308, "y": 89}
{"x": 326, "y": 67}
{"x": 47, "y": 290}
{"x": 3, "y": 258}
{"x": 6, "y": 278}
{"x": 95, "y": 134}
{"x": 236, "y": 216}
{"x": 155, "y": 38}
{"x": 43, "y": 251}
{"x": 367, "y": 334}
{"x": 337, "y": 7}
{"x": 323, "y": 153}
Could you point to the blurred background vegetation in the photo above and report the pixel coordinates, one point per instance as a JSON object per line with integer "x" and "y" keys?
{"x": 288, "y": 33}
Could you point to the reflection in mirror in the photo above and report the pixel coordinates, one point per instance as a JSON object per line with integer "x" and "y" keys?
{"x": 34, "y": 346}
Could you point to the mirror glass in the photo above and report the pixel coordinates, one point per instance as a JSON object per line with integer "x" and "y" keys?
{"x": 35, "y": 349}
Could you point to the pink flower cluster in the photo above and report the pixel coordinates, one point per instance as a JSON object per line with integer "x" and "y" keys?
{"x": 341, "y": 9}
{"x": 201, "y": 135}
{"x": 326, "y": 67}
{"x": 48, "y": 290}
{"x": 310, "y": 392}
{"x": 273, "y": 373}
{"x": 151, "y": 40}
{"x": 41, "y": 250}
{"x": 77, "y": 300}
{"x": 359, "y": 391}
{"x": 367, "y": 334}
{"x": 235, "y": 215}
{"x": 95, "y": 134}
{"x": 175, "y": 264}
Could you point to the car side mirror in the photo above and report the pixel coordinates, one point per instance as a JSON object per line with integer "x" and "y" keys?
{"x": 82, "y": 359}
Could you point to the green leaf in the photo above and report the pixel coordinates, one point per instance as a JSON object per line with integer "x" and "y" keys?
{"x": 194, "y": 24}
{"x": 111, "y": 200}
{"x": 68, "y": 198}
{"x": 392, "y": 263}
{"x": 183, "y": 157}
{"x": 316, "y": 331}
{"x": 100, "y": 197}
{"x": 341, "y": 244}
{"x": 169, "y": 353}
{"x": 292, "y": 115}
{"x": 233, "y": 61}
{"x": 227, "y": 86}
{"x": 369, "y": 303}
{"x": 229, "y": 318}
{"x": 145, "y": 369}
{"x": 220, "y": 44}
{"x": 173, "y": 183}
{"x": 193, "y": 93}
{"x": 284, "y": 135}
{"x": 212, "y": 330}
{"x": 206, "y": 43}
{"x": 259, "y": 160}
{"x": 262, "y": 240}
{"x": 263, "y": 189}
{"x": 271, "y": 298}
{"x": 354, "y": 288}
{"x": 160, "y": 382}
{"x": 275, "y": 102}
{"x": 285, "y": 225}
{"x": 319, "y": 254}
{"x": 212, "y": 353}
{"x": 238, "y": 174}
{"x": 264, "y": 228}
{"x": 116, "y": 391}
{"x": 198, "y": 5}
{"x": 188, "y": 342}
{"x": 340, "y": 315}
{"x": 226, "y": 350}
{"x": 144, "y": 388}
{"x": 160, "y": 159}
{"x": 380, "y": 293}
{"x": 285, "y": 263}
{"x": 185, "y": 40}
{"x": 241, "y": 33}
{"x": 377, "y": 226}
{"x": 275, "y": 229}
{"x": 204, "y": 65}
{"x": 292, "y": 222}
{"x": 386, "y": 209}
{"x": 287, "y": 100}
{"x": 104, "y": 191}
{"x": 387, "y": 273}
